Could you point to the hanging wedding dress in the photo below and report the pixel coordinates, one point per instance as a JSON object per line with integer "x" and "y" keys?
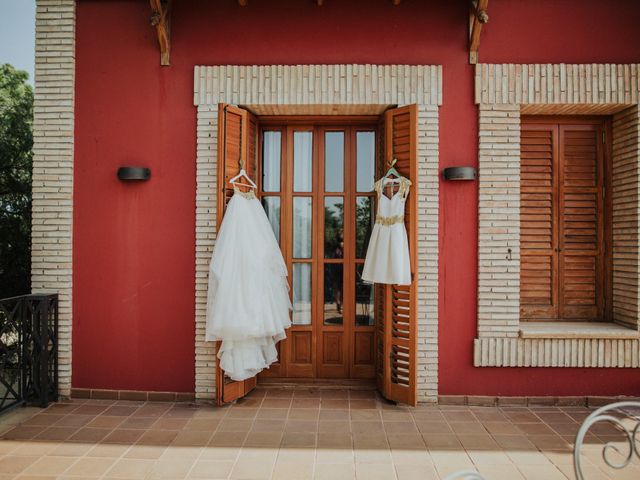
{"x": 248, "y": 298}
{"x": 387, "y": 259}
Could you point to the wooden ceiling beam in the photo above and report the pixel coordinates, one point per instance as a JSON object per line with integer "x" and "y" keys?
{"x": 161, "y": 20}
{"x": 477, "y": 18}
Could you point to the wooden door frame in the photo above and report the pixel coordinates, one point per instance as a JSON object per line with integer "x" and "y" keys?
{"x": 350, "y": 124}
{"x": 604, "y": 124}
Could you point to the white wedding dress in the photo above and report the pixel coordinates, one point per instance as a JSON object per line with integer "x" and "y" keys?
{"x": 387, "y": 259}
{"x": 248, "y": 298}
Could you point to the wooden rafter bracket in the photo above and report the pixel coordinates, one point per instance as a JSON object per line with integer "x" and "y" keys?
{"x": 477, "y": 18}
{"x": 161, "y": 20}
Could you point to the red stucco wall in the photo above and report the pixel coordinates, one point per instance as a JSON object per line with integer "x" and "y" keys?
{"x": 134, "y": 244}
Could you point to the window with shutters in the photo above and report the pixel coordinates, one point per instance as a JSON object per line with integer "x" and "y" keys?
{"x": 564, "y": 233}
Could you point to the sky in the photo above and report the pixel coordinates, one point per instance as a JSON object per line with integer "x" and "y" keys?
{"x": 17, "y": 34}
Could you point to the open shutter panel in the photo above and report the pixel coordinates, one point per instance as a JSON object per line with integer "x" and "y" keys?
{"x": 399, "y": 310}
{"x": 538, "y": 265}
{"x": 581, "y": 204}
{"x": 237, "y": 139}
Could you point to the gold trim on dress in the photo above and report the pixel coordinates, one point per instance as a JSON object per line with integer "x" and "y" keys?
{"x": 390, "y": 220}
{"x": 248, "y": 195}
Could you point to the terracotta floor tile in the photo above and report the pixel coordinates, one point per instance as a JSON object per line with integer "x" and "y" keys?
{"x": 334, "y": 472}
{"x": 228, "y": 439}
{"x": 276, "y": 402}
{"x": 303, "y": 426}
{"x": 488, "y": 457}
{"x": 400, "y": 427}
{"x": 103, "y": 421}
{"x": 367, "y": 427}
{"x": 22, "y": 432}
{"x": 500, "y": 472}
{"x": 520, "y": 442}
{"x": 372, "y": 455}
{"x": 242, "y": 413}
{"x": 203, "y": 424}
{"x": 152, "y": 410}
{"x": 158, "y": 437}
{"x": 406, "y": 441}
{"x": 478, "y": 442}
{"x": 164, "y": 423}
{"x": 255, "y": 470}
{"x": 220, "y": 454}
{"x": 192, "y": 438}
{"x": 335, "y": 403}
{"x": 363, "y": 404}
{"x": 180, "y": 411}
{"x": 208, "y": 469}
{"x": 365, "y": 415}
{"x": 333, "y": 455}
{"x": 416, "y": 472}
{"x": 235, "y": 425}
{"x": 272, "y": 414}
{"x": 49, "y": 466}
{"x": 123, "y": 436}
{"x": 148, "y": 452}
{"x": 268, "y": 426}
{"x": 130, "y": 468}
{"x": 290, "y": 471}
{"x": 501, "y": 428}
{"x": 90, "y": 467}
{"x": 459, "y": 416}
{"x": 43, "y": 420}
{"x": 430, "y": 427}
{"x": 104, "y": 450}
{"x": 56, "y": 433}
{"x": 375, "y": 471}
{"x": 90, "y": 409}
{"x": 335, "y": 440}
{"x": 305, "y": 403}
{"x": 440, "y": 441}
{"x": 181, "y": 453}
{"x": 70, "y": 449}
{"x": 90, "y": 435}
{"x": 74, "y": 420}
{"x": 411, "y": 457}
{"x": 263, "y": 439}
{"x": 138, "y": 422}
{"x": 334, "y": 414}
{"x": 467, "y": 427}
{"x": 334, "y": 393}
{"x": 11, "y": 465}
{"x": 64, "y": 408}
{"x": 299, "y": 440}
{"x": 35, "y": 449}
{"x": 541, "y": 472}
{"x": 534, "y": 428}
{"x": 248, "y": 402}
{"x": 120, "y": 411}
{"x": 304, "y": 414}
{"x": 331, "y": 426}
{"x": 370, "y": 440}
{"x": 171, "y": 469}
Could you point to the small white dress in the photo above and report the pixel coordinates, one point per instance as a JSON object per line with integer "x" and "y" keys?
{"x": 248, "y": 297}
{"x": 387, "y": 259}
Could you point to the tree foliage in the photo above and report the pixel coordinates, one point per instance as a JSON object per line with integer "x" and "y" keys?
{"x": 16, "y": 141}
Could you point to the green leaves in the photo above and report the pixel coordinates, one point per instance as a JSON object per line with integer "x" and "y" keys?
{"x": 16, "y": 141}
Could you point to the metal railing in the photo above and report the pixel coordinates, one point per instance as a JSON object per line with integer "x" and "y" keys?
{"x": 28, "y": 350}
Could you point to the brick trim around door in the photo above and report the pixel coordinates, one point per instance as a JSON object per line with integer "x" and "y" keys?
{"x": 321, "y": 89}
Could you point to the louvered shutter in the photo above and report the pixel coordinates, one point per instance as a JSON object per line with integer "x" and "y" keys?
{"x": 399, "y": 324}
{"x": 581, "y": 204}
{"x": 236, "y": 142}
{"x": 538, "y": 263}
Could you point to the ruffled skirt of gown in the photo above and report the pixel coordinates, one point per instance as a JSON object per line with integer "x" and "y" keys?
{"x": 248, "y": 298}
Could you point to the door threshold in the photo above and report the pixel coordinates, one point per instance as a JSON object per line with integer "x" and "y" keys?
{"x": 349, "y": 384}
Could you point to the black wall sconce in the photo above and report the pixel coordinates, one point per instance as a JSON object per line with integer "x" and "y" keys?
{"x": 134, "y": 173}
{"x": 459, "y": 173}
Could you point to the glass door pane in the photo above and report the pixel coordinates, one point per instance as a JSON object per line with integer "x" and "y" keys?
{"x": 302, "y": 161}
{"x": 365, "y": 161}
{"x": 333, "y": 227}
{"x": 333, "y": 294}
{"x": 302, "y": 227}
{"x": 334, "y": 161}
{"x": 271, "y": 158}
{"x": 301, "y": 294}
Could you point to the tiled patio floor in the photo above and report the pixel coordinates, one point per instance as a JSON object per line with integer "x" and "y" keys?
{"x": 296, "y": 435}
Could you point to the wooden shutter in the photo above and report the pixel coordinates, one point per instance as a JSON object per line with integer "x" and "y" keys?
{"x": 398, "y": 303}
{"x": 563, "y": 270}
{"x": 581, "y": 269}
{"x": 538, "y": 235}
{"x": 237, "y": 141}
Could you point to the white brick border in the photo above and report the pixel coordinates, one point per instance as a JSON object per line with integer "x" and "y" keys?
{"x": 503, "y": 93}
{"x": 52, "y": 187}
{"x": 310, "y": 85}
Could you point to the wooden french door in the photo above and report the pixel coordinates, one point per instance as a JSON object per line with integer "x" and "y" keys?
{"x": 316, "y": 185}
{"x": 564, "y": 226}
